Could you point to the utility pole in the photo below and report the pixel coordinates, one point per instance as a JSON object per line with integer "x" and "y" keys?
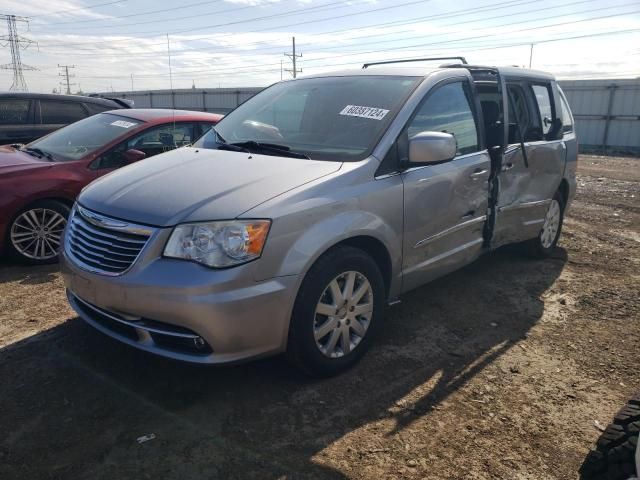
{"x": 531, "y": 56}
{"x": 16, "y": 43}
{"x": 132, "y": 82}
{"x": 67, "y": 76}
{"x": 294, "y": 71}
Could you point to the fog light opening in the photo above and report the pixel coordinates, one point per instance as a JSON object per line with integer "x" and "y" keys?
{"x": 199, "y": 343}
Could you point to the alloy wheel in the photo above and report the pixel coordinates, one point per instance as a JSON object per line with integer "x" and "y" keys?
{"x": 551, "y": 224}
{"x": 36, "y": 233}
{"x": 343, "y": 314}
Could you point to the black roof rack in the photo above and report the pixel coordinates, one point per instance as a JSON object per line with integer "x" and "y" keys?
{"x": 462, "y": 59}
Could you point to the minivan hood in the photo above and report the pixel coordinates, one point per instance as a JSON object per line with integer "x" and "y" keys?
{"x": 192, "y": 185}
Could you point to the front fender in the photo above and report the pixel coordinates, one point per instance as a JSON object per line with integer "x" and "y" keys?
{"x": 315, "y": 239}
{"x": 313, "y": 218}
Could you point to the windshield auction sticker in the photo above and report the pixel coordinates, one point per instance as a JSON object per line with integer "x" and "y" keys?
{"x": 123, "y": 124}
{"x": 364, "y": 112}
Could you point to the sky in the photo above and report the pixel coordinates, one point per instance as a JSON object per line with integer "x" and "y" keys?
{"x": 120, "y": 45}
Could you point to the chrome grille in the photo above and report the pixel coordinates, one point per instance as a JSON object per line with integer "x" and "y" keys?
{"x": 102, "y": 244}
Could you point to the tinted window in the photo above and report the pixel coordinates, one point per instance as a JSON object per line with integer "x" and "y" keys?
{"x": 86, "y": 136}
{"x": 330, "y": 118}
{"x": 543, "y": 99}
{"x": 447, "y": 109}
{"x": 56, "y": 112}
{"x": 14, "y": 111}
{"x": 567, "y": 120}
{"x": 152, "y": 142}
{"x": 522, "y": 121}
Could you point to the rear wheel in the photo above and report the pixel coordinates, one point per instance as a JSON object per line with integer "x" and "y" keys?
{"x": 542, "y": 246}
{"x": 35, "y": 235}
{"x": 614, "y": 457}
{"x": 338, "y": 308}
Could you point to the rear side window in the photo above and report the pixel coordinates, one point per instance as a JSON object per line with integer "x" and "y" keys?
{"x": 447, "y": 109}
{"x": 56, "y": 112}
{"x": 542, "y": 95}
{"x": 523, "y": 123}
{"x": 567, "y": 119}
{"x": 14, "y": 111}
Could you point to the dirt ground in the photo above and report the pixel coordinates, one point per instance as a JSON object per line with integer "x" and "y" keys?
{"x": 496, "y": 371}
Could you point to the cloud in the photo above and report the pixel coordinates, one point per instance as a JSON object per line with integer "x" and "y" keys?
{"x": 244, "y": 58}
{"x": 42, "y": 11}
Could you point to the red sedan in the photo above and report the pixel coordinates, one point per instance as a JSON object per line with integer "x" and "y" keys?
{"x": 40, "y": 181}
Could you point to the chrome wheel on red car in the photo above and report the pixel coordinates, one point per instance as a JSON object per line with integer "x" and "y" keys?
{"x": 36, "y": 233}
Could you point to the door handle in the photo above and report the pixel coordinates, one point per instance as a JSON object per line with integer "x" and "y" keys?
{"x": 508, "y": 166}
{"x": 478, "y": 173}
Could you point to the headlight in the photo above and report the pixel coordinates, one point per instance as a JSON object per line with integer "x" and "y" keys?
{"x": 218, "y": 244}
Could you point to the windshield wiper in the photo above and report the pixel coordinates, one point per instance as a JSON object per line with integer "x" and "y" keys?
{"x": 232, "y": 148}
{"x": 38, "y": 152}
{"x": 283, "y": 150}
{"x": 223, "y": 145}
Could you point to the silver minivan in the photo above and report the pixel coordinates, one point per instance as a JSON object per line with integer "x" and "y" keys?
{"x": 291, "y": 225}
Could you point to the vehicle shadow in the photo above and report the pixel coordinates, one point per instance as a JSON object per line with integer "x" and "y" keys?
{"x": 74, "y": 402}
{"x": 11, "y": 271}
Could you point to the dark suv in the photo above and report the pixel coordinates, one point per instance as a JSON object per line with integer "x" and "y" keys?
{"x": 25, "y": 117}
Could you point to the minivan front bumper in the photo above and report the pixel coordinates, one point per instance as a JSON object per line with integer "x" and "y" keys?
{"x": 185, "y": 311}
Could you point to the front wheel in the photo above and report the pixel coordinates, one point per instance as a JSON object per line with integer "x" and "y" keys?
{"x": 36, "y": 232}
{"x": 338, "y": 308}
{"x": 542, "y": 246}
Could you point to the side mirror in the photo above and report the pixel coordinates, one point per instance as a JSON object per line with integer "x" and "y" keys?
{"x": 133, "y": 155}
{"x": 432, "y": 147}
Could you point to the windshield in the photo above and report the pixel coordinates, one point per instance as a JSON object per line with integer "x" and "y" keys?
{"x": 331, "y": 118}
{"x": 86, "y": 136}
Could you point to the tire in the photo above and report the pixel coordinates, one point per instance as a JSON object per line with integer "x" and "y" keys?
{"x": 321, "y": 354}
{"x": 34, "y": 235}
{"x": 614, "y": 456}
{"x": 543, "y": 245}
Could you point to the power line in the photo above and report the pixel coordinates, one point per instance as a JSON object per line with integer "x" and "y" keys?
{"x": 16, "y": 43}
{"x": 458, "y": 13}
{"x": 89, "y": 7}
{"x": 275, "y": 67}
{"x": 297, "y": 11}
{"x": 428, "y": 44}
{"x": 128, "y": 40}
{"x": 149, "y": 12}
{"x": 136, "y": 24}
{"x": 421, "y": 36}
{"x": 368, "y": 36}
{"x": 412, "y": 46}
